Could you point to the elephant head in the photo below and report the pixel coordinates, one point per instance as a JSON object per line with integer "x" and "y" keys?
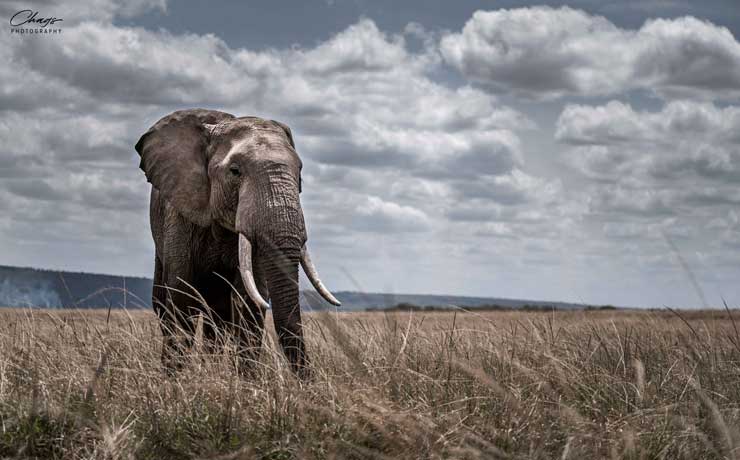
{"x": 242, "y": 173}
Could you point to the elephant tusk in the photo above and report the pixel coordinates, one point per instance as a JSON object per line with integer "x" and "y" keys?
{"x": 245, "y": 268}
{"x": 313, "y": 276}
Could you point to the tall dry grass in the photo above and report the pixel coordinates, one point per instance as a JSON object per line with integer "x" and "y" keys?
{"x": 568, "y": 385}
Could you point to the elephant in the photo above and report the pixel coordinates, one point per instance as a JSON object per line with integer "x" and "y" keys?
{"x": 227, "y": 222}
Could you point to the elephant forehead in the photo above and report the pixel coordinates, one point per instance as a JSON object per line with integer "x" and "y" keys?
{"x": 242, "y": 135}
{"x": 257, "y": 139}
{"x": 246, "y": 124}
{"x": 247, "y": 129}
{"x": 259, "y": 144}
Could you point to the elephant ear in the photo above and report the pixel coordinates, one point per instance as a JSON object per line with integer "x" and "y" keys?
{"x": 287, "y": 131}
{"x": 173, "y": 157}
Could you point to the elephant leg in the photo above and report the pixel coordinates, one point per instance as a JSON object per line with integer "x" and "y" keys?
{"x": 217, "y": 294}
{"x": 163, "y": 308}
{"x": 248, "y": 325}
{"x": 176, "y": 318}
{"x": 212, "y": 334}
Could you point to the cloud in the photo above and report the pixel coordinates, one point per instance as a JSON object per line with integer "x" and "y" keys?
{"x": 408, "y": 174}
{"x": 135, "y": 66}
{"x": 39, "y": 190}
{"x": 388, "y": 151}
{"x": 361, "y": 98}
{"x": 649, "y": 6}
{"x": 543, "y": 52}
{"x": 537, "y": 50}
{"x": 516, "y": 188}
{"x": 73, "y": 12}
{"x": 384, "y": 216}
{"x": 649, "y": 175}
{"x": 359, "y": 48}
{"x": 684, "y": 141}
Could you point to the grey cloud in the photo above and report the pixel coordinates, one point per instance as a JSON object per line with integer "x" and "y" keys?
{"x": 377, "y": 215}
{"x": 687, "y": 53}
{"x": 124, "y": 66}
{"x": 670, "y": 171}
{"x": 35, "y": 189}
{"x": 480, "y": 160}
{"x": 533, "y": 50}
{"x": 684, "y": 140}
{"x": 478, "y": 210}
{"x": 11, "y": 6}
{"x": 75, "y": 11}
{"x": 345, "y": 152}
{"x": 397, "y": 163}
{"x": 470, "y": 214}
{"x": 122, "y": 199}
{"x": 497, "y": 230}
{"x": 711, "y": 196}
{"x": 612, "y": 123}
{"x": 648, "y": 203}
{"x": 648, "y": 5}
{"x": 544, "y": 53}
{"x": 625, "y": 230}
{"x": 51, "y": 138}
{"x": 514, "y": 190}
{"x": 640, "y": 232}
{"x": 101, "y": 193}
{"x": 15, "y": 166}
{"x": 359, "y": 48}
{"x": 133, "y": 66}
{"x": 71, "y": 159}
{"x": 502, "y": 193}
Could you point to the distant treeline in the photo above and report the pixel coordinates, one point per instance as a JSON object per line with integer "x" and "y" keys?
{"x": 405, "y": 306}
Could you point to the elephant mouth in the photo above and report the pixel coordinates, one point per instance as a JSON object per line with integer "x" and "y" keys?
{"x": 247, "y": 273}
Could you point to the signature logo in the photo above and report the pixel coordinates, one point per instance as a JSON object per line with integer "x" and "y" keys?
{"x": 31, "y": 18}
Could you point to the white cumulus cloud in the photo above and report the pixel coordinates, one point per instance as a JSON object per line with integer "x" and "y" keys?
{"x": 546, "y": 52}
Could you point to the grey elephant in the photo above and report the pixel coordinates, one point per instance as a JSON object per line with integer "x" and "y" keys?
{"x": 226, "y": 221}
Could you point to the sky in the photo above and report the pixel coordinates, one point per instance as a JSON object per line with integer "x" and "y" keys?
{"x": 583, "y": 151}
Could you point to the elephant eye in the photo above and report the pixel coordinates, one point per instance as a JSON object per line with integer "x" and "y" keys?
{"x": 234, "y": 170}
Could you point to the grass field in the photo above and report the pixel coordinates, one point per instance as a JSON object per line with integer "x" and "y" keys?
{"x": 566, "y": 385}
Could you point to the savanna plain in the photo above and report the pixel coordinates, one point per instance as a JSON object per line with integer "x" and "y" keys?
{"x": 501, "y": 384}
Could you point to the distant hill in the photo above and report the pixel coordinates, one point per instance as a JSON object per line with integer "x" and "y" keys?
{"x": 365, "y": 300}
{"x": 30, "y": 287}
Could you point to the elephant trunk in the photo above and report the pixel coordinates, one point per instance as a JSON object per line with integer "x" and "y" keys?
{"x": 281, "y": 269}
{"x": 271, "y": 219}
